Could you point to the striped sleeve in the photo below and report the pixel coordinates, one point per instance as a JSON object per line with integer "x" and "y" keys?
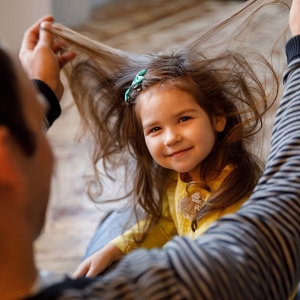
{"x": 54, "y": 109}
{"x": 255, "y": 254}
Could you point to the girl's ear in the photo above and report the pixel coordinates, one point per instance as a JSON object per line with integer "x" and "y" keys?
{"x": 220, "y": 123}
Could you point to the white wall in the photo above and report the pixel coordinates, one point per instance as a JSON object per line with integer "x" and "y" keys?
{"x": 17, "y": 15}
{"x": 71, "y": 12}
{"x": 74, "y": 12}
{"x": 94, "y": 3}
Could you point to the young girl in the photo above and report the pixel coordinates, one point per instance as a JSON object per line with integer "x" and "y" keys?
{"x": 187, "y": 123}
{"x": 187, "y": 118}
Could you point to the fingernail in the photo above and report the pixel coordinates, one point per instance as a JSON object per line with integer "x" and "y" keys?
{"x": 45, "y": 26}
{"x": 42, "y": 25}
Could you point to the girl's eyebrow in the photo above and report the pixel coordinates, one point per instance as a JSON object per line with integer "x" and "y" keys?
{"x": 178, "y": 114}
{"x": 185, "y": 111}
{"x": 149, "y": 125}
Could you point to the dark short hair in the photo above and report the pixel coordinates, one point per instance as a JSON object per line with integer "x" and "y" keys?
{"x": 11, "y": 111}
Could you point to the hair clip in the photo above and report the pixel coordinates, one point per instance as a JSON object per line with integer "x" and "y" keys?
{"x": 136, "y": 84}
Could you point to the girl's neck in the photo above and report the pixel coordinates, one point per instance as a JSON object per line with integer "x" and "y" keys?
{"x": 186, "y": 177}
{"x": 195, "y": 176}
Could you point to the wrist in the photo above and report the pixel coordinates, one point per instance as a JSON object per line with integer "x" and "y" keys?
{"x": 293, "y": 48}
{"x": 54, "y": 110}
{"x": 115, "y": 252}
{"x": 55, "y": 86}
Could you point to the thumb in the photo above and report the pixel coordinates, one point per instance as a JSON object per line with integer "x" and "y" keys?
{"x": 45, "y": 33}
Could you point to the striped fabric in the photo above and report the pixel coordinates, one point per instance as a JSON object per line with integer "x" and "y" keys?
{"x": 253, "y": 254}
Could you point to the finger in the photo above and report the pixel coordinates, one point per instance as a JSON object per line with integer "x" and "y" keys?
{"x": 37, "y": 24}
{"x": 56, "y": 48}
{"x": 66, "y": 57}
{"x": 31, "y": 35}
{"x": 92, "y": 272}
{"x": 81, "y": 271}
{"x": 46, "y": 37}
{"x": 59, "y": 45}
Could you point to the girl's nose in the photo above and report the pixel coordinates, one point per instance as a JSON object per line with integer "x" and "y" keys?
{"x": 172, "y": 138}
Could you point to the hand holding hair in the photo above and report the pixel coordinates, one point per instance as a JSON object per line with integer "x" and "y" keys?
{"x": 41, "y": 57}
{"x": 294, "y": 20}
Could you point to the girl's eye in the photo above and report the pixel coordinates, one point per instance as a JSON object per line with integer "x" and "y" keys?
{"x": 154, "y": 129}
{"x": 151, "y": 130}
{"x": 183, "y": 119}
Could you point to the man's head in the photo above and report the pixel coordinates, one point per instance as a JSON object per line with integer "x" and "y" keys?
{"x": 25, "y": 157}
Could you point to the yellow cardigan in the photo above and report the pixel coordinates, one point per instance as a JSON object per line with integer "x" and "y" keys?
{"x": 172, "y": 221}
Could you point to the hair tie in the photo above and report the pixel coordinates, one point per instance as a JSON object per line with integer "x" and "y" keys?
{"x": 136, "y": 85}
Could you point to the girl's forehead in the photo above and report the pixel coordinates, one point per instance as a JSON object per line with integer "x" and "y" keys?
{"x": 147, "y": 93}
{"x": 159, "y": 89}
{"x": 158, "y": 93}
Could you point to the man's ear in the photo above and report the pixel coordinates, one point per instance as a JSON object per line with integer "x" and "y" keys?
{"x": 9, "y": 174}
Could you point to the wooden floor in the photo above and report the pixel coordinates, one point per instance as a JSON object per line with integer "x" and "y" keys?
{"x": 131, "y": 25}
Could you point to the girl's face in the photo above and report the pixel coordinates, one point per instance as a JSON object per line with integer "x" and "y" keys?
{"x": 178, "y": 132}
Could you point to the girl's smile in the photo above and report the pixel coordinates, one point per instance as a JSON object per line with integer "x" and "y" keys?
{"x": 178, "y": 132}
{"x": 180, "y": 153}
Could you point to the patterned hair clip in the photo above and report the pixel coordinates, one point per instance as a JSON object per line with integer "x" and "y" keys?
{"x": 136, "y": 84}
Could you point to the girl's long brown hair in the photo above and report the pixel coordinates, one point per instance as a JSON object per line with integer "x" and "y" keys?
{"x": 221, "y": 68}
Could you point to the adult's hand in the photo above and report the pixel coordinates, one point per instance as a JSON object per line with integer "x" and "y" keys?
{"x": 295, "y": 18}
{"x": 41, "y": 57}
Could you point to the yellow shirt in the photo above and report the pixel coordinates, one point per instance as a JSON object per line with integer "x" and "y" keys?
{"x": 172, "y": 221}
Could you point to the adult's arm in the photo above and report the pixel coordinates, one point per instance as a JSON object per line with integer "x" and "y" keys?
{"x": 253, "y": 254}
{"x": 42, "y": 60}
